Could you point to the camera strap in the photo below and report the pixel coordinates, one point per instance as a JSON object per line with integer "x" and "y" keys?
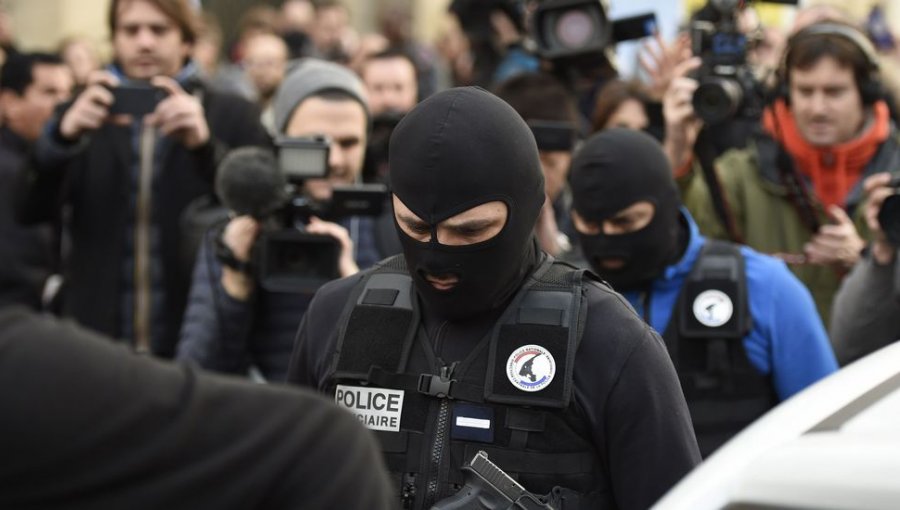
{"x": 706, "y": 155}
{"x": 797, "y": 190}
{"x": 142, "y": 248}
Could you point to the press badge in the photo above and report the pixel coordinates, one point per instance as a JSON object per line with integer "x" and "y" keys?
{"x": 376, "y": 408}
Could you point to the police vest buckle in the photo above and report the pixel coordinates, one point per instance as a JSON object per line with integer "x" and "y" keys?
{"x": 434, "y": 385}
{"x": 437, "y": 385}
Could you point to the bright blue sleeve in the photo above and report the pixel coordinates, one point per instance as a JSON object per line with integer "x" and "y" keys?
{"x": 788, "y": 339}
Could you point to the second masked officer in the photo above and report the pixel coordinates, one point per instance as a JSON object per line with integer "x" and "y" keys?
{"x": 473, "y": 339}
{"x": 741, "y": 328}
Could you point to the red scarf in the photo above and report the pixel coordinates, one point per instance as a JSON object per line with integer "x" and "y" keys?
{"x": 833, "y": 170}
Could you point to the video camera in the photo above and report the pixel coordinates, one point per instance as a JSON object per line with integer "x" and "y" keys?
{"x": 566, "y": 30}
{"x": 574, "y": 35}
{"x": 728, "y": 86}
{"x": 287, "y": 258}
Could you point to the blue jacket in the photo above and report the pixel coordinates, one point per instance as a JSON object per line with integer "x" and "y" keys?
{"x": 787, "y": 340}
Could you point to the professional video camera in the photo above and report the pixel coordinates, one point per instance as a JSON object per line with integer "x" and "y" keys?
{"x": 286, "y": 257}
{"x": 728, "y": 86}
{"x": 579, "y": 30}
{"x": 575, "y": 35}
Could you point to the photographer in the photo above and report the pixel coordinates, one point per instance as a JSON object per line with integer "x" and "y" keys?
{"x": 232, "y": 322}
{"x": 865, "y": 312}
{"x": 795, "y": 190}
{"x": 125, "y": 158}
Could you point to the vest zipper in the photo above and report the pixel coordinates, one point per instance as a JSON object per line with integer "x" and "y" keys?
{"x": 408, "y": 490}
{"x": 439, "y": 444}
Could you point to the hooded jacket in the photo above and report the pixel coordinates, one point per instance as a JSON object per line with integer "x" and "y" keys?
{"x": 765, "y": 215}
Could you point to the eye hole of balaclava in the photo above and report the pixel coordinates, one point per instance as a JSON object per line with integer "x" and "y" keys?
{"x": 471, "y": 227}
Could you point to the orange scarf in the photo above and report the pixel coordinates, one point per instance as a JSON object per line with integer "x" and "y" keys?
{"x": 833, "y": 170}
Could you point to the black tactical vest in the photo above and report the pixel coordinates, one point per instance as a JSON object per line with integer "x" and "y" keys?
{"x": 724, "y": 392}
{"x": 450, "y": 412}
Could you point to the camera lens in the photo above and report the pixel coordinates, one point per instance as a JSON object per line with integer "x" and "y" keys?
{"x": 574, "y": 28}
{"x": 717, "y": 99}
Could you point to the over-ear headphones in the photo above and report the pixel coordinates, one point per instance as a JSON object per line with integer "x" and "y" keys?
{"x": 869, "y": 83}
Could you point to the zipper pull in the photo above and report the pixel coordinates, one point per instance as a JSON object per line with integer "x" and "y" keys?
{"x": 408, "y": 490}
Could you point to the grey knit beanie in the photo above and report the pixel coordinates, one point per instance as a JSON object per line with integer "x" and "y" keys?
{"x": 310, "y": 76}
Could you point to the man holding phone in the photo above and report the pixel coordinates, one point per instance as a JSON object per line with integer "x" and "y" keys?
{"x": 127, "y": 176}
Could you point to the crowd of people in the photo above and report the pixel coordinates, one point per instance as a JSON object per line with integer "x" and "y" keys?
{"x": 598, "y": 280}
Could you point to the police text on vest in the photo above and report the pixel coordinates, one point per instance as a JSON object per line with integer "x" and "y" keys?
{"x": 376, "y": 408}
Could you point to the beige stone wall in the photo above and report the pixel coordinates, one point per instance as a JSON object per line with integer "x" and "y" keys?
{"x": 427, "y": 15}
{"x": 428, "y": 18}
{"x": 41, "y": 24}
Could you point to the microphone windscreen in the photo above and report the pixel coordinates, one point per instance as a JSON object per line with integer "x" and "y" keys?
{"x": 249, "y": 182}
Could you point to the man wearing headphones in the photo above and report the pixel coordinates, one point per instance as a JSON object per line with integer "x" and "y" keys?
{"x": 794, "y": 191}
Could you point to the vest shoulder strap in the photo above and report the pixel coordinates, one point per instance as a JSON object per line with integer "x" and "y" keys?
{"x": 378, "y": 325}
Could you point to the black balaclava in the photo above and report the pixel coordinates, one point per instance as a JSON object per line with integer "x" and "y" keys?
{"x": 613, "y": 170}
{"x": 456, "y": 150}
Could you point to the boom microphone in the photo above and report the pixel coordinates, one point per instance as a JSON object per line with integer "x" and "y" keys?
{"x": 249, "y": 181}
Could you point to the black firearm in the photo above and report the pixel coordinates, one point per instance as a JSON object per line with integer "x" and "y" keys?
{"x": 489, "y": 488}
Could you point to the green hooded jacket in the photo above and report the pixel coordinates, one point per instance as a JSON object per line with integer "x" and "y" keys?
{"x": 766, "y": 216}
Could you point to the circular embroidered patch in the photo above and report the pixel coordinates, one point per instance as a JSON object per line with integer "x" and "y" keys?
{"x": 530, "y": 368}
{"x": 713, "y": 308}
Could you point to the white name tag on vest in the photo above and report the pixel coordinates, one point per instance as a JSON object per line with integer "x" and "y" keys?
{"x": 376, "y": 408}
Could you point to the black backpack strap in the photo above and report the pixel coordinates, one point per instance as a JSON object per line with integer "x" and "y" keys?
{"x": 706, "y": 156}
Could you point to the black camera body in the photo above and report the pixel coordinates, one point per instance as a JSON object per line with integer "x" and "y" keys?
{"x": 889, "y": 214}
{"x": 727, "y": 86}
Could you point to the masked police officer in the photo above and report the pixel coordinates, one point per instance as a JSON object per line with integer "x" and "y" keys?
{"x": 474, "y": 339}
{"x": 741, "y": 328}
